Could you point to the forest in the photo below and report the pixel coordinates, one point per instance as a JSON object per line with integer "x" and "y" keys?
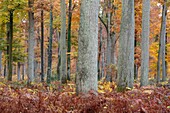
{"x": 84, "y": 56}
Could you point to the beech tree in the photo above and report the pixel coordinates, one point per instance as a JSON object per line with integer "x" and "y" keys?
{"x": 86, "y": 78}
{"x": 161, "y": 52}
{"x": 49, "y": 69}
{"x": 126, "y": 47}
{"x": 145, "y": 42}
{"x": 31, "y": 42}
{"x": 63, "y": 73}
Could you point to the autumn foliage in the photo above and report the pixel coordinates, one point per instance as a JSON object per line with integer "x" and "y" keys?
{"x": 40, "y": 98}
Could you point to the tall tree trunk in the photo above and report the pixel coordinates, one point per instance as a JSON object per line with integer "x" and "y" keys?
{"x": 135, "y": 65}
{"x": 18, "y": 71}
{"x": 86, "y": 78}
{"x": 108, "y": 61}
{"x": 63, "y": 69}
{"x": 10, "y": 45}
{"x": 7, "y": 52}
{"x": 42, "y": 45}
{"x": 166, "y": 63}
{"x": 31, "y": 43}
{"x": 100, "y": 53}
{"x": 69, "y": 40}
{"x": 159, "y": 63}
{"x": 163, "y": 39}
{"x": 126, "y": 47}
{"x": 59, "y": 58}
{"x": 49, "y": 69}
{"x": 145, "y": 42}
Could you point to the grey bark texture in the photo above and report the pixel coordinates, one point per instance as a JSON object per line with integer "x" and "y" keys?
{"x": 163, "y": 40}
{"x": 18, "y": 71}
{"x": 126, "y": 46}
{"x": 31, "y": 43}
{"x": 63, "y": 68}
{"x": 86, "y": 77}
{"x": 145, "y": 42}
{"x": 49, "y": 69}
{"x": 109, "y": 48}
{"x": 100, "y": 53}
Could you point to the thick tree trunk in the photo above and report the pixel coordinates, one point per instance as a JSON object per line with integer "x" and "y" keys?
{"x": 49, "y": 69}
{"x": 86, "y": 78}
{"x": 126, "y": 47}
{"x": 69, "y": 40}
{"x": 63, "y": 68}
{"x": 109, "y": 48}
{"x": 10, "y": 46}
{"x": 145, "y": 42}
{"x": 31, "y": 43}
{"x": 163, "y": 40}
{"x": 42, "y": 45}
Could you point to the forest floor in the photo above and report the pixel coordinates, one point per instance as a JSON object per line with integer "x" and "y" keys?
{"x": 17, "y": 97}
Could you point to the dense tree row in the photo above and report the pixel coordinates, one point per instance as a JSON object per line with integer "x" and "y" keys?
{"x": 85, "y": 41}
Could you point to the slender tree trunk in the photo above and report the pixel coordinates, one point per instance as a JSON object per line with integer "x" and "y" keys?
{"x": 159, "y": 63}
{"x": 103, "y": 59}
{"x": 145, "y": 42}
{"x": 69, "y": 40}
{"x": 49, "y": 69}
{"x": 7, "y": 52}
{"x": 31, "y": 43}
{"x": 63, "y": 70}
{"x": 18, "y": 71}
{"x": 59, "y": 58}
{"x": 126, "y": 47}
{"x": 86, "y": 78}
{"x": 23, "y": 71}
{"x": 166, "y": 63}
{"x": 5, "y": 70}
{"x": 100, "y": 53}
{"x": 163, "y": 40}
{"x": 42, "y": 45}
{"x": 10, "y": 46}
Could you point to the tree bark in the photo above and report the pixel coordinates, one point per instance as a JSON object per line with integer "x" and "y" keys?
{"x": 10, "y": 45}
{"x": 69, "y": 40}
{"x": 159, "y": 63}
{"x": 163, "y": 40}
{"x": 63, "y": 68}
{"x": 23, "y": 71}
{"x": 31, "y": 43}
{"x": 126, "y": 47}
{"x": 145, "y": 42}
{"x": 109, "y": 48}
{"x": 42, "y": 45}
{"x": 18, "y": 71}
{"x": 100, "y": 53}
{"x": 49, "y": 69}
{"x": 86, "y": 78}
